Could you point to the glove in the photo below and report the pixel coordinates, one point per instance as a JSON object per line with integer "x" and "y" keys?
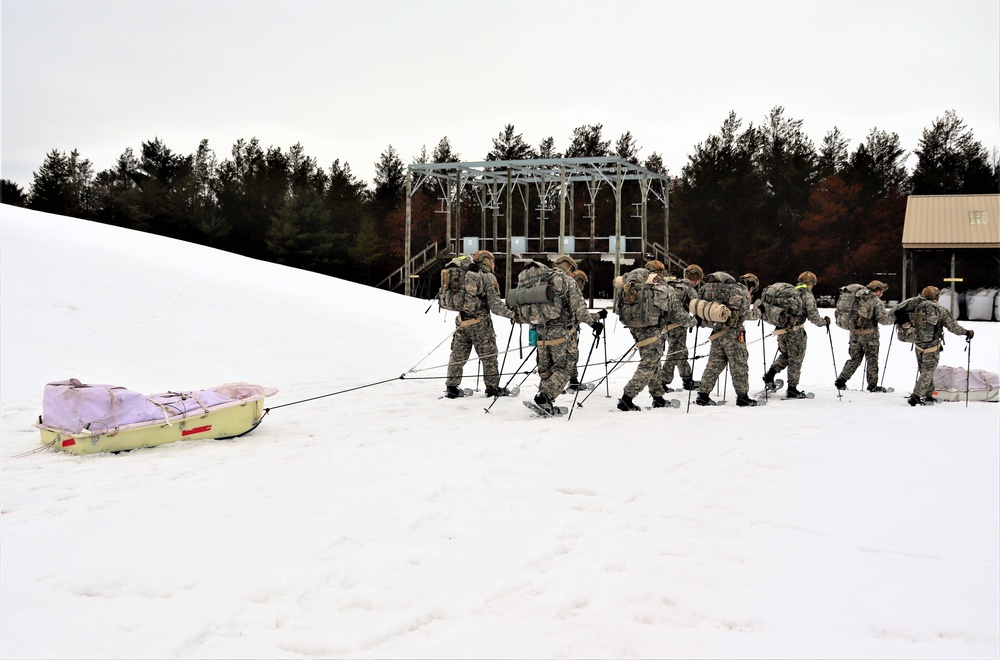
{"x": 598, "y": 328}
{"x": 603, "y": 314}
{"x": 969, "y": 335}
{"x": 826, "y": 321}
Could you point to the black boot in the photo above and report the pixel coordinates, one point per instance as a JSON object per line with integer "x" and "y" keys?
{"x": 691, "y": 384}
{"x": 703, "y": 399}
{"x": 659, "y": 402}
{"x": 929, "y": 399}
{"x": 793, "y": 393}
{"x": 453, "y": 392}
{"x": 497, "y": 391}
{"x": 543, "y": 402}
{"x": 574, "y": 383}
{"x": 769, "y": 379}
{"x": 841, "y": 384}
{"x": 876, "y": 388}
{"x": 915, "y": 400}
{"x": 743, "y": 401}
{"x": 625, "y": 403}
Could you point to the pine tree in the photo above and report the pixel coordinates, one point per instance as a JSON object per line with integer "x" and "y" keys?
{"x": 950, "y": 161}
{"x": 508, "y": 145}
{"x": 11, "y": 193}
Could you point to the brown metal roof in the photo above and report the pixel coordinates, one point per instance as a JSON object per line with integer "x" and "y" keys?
{"x": 952, "y": 221}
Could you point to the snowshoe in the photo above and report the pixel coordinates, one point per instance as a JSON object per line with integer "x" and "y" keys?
{"x": 453, "y": 392}
{"x": 544, "y": 410}
{"x": 625, "y": 404}
{"x": 502, "y": 391}
{"x": 794, "y": 393}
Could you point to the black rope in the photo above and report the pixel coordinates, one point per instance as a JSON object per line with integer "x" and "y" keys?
{"x": 323, "y": 396}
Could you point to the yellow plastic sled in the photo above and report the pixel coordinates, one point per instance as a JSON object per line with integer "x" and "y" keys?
{"x": 236, "y": 416}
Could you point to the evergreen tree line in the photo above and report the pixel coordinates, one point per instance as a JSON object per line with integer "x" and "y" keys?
{"x": 755, "y": 198}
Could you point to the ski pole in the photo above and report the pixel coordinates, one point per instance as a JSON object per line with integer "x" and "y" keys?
{"x": 583, "y": 374}
{"x": 968, "y": 366}
{"x": 514, "y": 374}
{"x": 509, "y": 337}
{"x": 632, "y": 349}
{"x": 886, "y": 368}
{"x": 694, "y": 353}
{"x": 607, "y": 385}
{"x": 833, "y": 356}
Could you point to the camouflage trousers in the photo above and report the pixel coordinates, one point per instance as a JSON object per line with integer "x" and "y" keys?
{"x": 556, "y": 360}
{"x": 926, "y": 364}
{"x": 862, "y": 346}
{"x": 648, "y": 372}
{"x": 791, "y": 353}
{"x": 484, "y": 338}
{"x": 676, "y": 356}
{"x": 728, "y": 349}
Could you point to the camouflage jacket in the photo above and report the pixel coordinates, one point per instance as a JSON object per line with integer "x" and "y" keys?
{"x": 493, "y": 303}
{"x": 673, "y": 304}
{"x": 809, "y": 311}
{"x": 574, "y": 304}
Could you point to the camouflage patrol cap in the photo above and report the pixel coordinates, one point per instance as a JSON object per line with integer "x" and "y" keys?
{"x": 876, "y": 285}
{"x": 483, "y": 254}
{"x": 565, "y": 259}
{"x": 807, "y": 277}
{"x": 930, "y": 293}
{"x": 656, "y": 266}
{"x": 694, "y": 272}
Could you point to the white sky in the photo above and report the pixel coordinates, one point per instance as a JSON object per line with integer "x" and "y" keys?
{"x": 388, "y": 522}
{"x": 347, "y": 79}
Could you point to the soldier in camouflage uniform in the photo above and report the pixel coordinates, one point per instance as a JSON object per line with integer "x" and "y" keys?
{"x": 476, "y": 329}
{"x": 792, "y": 340}
{"x": 868, "y": 314}
{"x": 649, "y": 341}
{"x": 928, "y": 345}
{"x": 581, "y": 279}
{"x": 677, "y": 352}
{"x": 557, "y": 344}
{"x": 729, "y": 345}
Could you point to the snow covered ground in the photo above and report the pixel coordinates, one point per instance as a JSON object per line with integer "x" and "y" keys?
{"x": 388, "y": 522}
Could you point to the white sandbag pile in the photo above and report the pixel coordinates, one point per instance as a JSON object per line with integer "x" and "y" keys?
{"x": 980, "y": 304}
{"x": 950, "y": 382}
{"x": 945, "y": 300}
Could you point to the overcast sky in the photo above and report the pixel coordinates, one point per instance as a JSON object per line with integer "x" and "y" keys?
{"x": 347, "y": 79}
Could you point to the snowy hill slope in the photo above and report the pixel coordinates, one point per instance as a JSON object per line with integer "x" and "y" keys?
{"x": 387, "y": 522}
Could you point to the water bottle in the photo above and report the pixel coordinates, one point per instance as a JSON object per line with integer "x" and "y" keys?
{"x": 532, "y": 337}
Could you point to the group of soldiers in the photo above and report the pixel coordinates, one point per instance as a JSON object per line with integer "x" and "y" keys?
{"x": 663, "y": 348}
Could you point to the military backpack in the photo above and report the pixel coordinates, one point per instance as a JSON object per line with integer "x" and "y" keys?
{"x": 462, "y": 286}
{"x": 781, "y": 305}
{"x": 846, "y": 314}
{"x": 539, "y": 294}
{"x": 916, "y": 320}
{"x": 634, "y": 299}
